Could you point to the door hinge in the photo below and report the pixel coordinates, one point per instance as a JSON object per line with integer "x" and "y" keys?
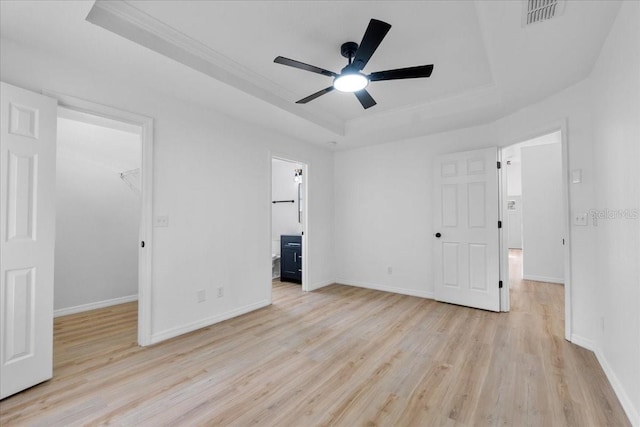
{"x": 499, "y": 224}
{"x": 499, "y": 165}
{"x": 500, "y": 284}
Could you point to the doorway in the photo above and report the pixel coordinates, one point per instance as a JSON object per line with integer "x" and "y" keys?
{"x": 289, "y": 184}
{"x": 28, "y": 187}
{"x": 535, "y": 211}
{"x": 97, "y": 212}
{"x": 144, "y": 125}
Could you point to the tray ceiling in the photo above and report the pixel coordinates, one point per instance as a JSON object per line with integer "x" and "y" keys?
{"x": 486, "y": 63}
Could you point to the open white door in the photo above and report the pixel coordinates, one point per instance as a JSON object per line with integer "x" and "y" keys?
{"x": 466, "y": 240}
{"x": 27, "y": 225}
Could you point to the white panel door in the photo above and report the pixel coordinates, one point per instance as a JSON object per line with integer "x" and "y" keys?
{"x": 466, "y": 229}
{"x": 27, "y": 217}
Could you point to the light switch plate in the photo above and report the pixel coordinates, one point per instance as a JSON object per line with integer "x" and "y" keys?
{"x": 576, "y": 176}
{"x": 580, "y": 219}
{"x": 161, "y": 221}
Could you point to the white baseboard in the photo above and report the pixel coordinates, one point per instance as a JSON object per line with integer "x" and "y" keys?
{"x": 319, "y": 285}
{"x": 190, "y": 327}
{"x": 625, "y": 401}
{"x": 583, "y": 342}
{"x": 94, "y": 305}
{"x": 545, "y": 279}
{"x": 385, "y": 288}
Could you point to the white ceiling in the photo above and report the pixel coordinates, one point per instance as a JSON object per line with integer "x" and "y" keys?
{"x": 485, "y": 63}
{"x": 312, "y": 32}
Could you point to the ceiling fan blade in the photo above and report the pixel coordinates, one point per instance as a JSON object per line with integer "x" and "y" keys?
{"x": 315, "y": 95}
{"x": 365, "y": 99}
{"x": 376, "y": 31}
{"x": 402, "y": 73}
{"x": 301, "y": 65}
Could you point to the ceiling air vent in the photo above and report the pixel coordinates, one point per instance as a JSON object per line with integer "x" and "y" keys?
{"x": 540, "y": 10}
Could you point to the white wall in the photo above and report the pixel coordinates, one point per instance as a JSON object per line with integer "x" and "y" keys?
{"x": 284, "y": 215}
{"x": 512, "y": 158}
{"x": 514, "y": 223}
{"x": 542, "y": 213}
{"x": 212, "y": 178}
{"x": 97, "y": 215}
{"x": 513, "y": 171}
{"x": 616, "y": 133}
{"x": 383, "y": 210}
{"x": 514, "y": 177}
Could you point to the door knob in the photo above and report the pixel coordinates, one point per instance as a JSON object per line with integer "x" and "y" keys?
{"x": 438, "y": 235}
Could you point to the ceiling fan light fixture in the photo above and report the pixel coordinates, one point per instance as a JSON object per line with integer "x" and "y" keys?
{"x": 351, "y": 79}
{"x": 351, "y": 82}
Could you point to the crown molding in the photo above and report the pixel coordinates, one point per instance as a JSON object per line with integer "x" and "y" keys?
{"x": 137, "y": 26}
{"x": 124, "y": 19}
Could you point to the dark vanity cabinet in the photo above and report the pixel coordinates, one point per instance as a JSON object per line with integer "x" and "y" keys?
{"x": 291, "y": 259}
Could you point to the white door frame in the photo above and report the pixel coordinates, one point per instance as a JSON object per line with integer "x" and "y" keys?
{"x": 305, "y": 216}
{"x": 146, "y": 215}
{"x": 505, "y": 297}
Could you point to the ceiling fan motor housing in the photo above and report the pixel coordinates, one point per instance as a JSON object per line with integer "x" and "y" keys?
{"x": 348, "y": 49}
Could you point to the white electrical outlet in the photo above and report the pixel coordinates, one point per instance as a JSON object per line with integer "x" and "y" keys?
{"x": 580, "y": 219}
{"x": 201, "y": 295}
{"x": 220, "y": 292}
{"x": 161, "y": 221}
{"x": 389, "y": 270}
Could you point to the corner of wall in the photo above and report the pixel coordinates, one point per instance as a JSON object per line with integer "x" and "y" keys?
{"x": 202, "y": 323}
{"x": 318, "y": 285}
{"x": 623, "y": 397}
{"x": 618, "y": 389}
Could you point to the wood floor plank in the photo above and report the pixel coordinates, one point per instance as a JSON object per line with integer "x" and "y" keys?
{"x": 339, "y": 356}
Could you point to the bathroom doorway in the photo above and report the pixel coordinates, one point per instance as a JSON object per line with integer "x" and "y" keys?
{"x": 288, "y": 222}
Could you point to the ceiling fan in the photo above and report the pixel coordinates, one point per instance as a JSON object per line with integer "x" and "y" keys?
{"x": 351, "y": 79}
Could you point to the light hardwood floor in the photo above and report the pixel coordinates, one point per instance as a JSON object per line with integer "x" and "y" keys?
{"x": 338, "y": 356}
